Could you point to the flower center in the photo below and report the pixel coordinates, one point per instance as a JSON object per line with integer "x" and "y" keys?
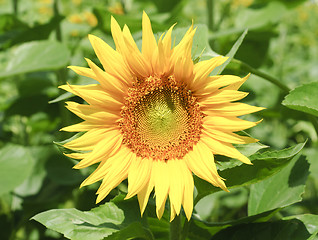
{"x": 160, "y": 119}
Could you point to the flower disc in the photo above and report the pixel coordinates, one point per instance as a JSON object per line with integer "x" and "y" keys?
{"x": 161, "y": 119}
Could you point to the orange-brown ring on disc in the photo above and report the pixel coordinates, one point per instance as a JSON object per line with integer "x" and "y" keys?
{"x": 160, "y": 119}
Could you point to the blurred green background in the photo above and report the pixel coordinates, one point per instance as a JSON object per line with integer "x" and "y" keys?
{"x": 40, "y": 38}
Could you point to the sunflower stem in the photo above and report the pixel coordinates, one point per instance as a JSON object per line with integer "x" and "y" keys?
{"x": 56, "y": 14}
{"x": 15, "y": 7}
{"x": 210, "y": 7}
{"x": 261, "y": 74}
{"x": 175, "y": 228}
{"x": 185, "y": 230}
{"x": 285, "y": 89}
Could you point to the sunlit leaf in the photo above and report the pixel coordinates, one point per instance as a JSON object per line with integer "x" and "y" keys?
{"x": 303, "y": 98}
{"x": 264, "y": 165}
{"x": 132, "y": 231}
{"x": 292, "y": 229}
{"x": 96, "y": 224}
{"x": 280, "y": 190}
{"x": 16, "y": 164}
{"x": 36, "y": 56}
{"x": 310, "y": 221}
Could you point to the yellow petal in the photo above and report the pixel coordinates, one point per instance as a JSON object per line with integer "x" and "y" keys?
{"x": 95, "y": 95}
{"x": 136, "y": 61}
{"x": 223, "y": 96}
{"x": 77, "y": 155}
{"x": 109, "y": 83}
{"x": 117, "y": 172}
{"x": 175, "y": 168}
{"x": 105, "y": 165}
{"x": 201, "y": 162}
{"x": 230, "y": 109}
{"x": 88, "y": 140}
{"x": 117, "y": 35}
{"x": 82, "y": 127}
{"x": 104, "y": 149}
{"x": 138, "y": 175}
{"x": 187, "y": 200}
{"x": 162, "y": 183}
{"x": 229, "y": 137}
{"x": 111, "y": 60}
{"x": 215, "y": 82}
{"x": 144, "y": 193}
{"x": 148, "y": 39}
{"x": 222, "y": 148}
{"x": 93, "y": 114}
{"x": 237, "y": 85}
{"x": 203, "y": 69}
{"x": 232, "y": 124}
{"x": 86, "y": 72}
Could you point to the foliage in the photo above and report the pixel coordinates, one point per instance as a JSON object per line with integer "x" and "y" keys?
{"x": 275, "y": 198}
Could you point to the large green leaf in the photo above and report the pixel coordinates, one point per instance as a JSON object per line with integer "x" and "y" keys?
{"x": 36, "y": 56}
{"x": 16, "y": 164}
{"x": 310, "y": 221}
{"x": 280, "y": 190}
{"x": 59, "y": 170}
{"x": 96, "y": 224}
{"x": 132, "y": 231}
{"x": 255, "y": 18}
{"x": 292, "y": 229}
{"x": 264, "y": 165}
{"x": 33, "y": 183}
{"x": 303, "y": 98}
{"x": 205, "y": 230}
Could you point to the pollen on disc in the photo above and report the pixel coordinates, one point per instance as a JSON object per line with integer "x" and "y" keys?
{"x": 160, "y": 119}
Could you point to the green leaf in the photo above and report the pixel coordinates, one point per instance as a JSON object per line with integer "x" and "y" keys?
{"x": 250, "y": 149}
{"x": 255, "y": 18}
{"x": 310, "y": 221}
{"x": 303, "y": 98}
{"x": 133, "y": 21}
{"x": 96, "y": 224}
{"x": 62, "y": 97}
{"x": 132, "y": 231}
{"x": 264, "y": 165}
{"x": 36, "y": 56}
{"x": 284, "y": 229}
{"x": 231, "y": 54}
{"x": 67, "y": 150}
{"x": 205, "y": 230}
{"x": 16, "y": 164}
{"x": 60, "y": 170}
{"x": 33, "y": 183}
{"x": 280, "y": 190}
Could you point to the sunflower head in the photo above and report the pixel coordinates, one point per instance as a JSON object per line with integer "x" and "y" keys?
{"x": 156, "y": 118}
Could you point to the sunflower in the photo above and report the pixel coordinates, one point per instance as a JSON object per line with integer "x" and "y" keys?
{"x": 155, "y": 117}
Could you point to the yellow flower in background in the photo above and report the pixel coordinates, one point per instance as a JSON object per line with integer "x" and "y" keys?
{"x": 244, "y": 3}
{"x": 155, "y": 118}
{"x": 75, "y": 18}
{"x": 116, "y": 8}
{"x": 77, "y": 2}
{"x": 90, "y": 18}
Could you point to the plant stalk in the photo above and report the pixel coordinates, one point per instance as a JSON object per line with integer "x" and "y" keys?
{"x": 285, "y": 89}
{"x": 15, "y": 7}
{"x": 175, "y": 228}
{"x": 261, "y": 74}
{"x": 210, "y": 9}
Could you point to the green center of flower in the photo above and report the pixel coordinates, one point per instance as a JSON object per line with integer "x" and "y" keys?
{"x": 160, "y": 119}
